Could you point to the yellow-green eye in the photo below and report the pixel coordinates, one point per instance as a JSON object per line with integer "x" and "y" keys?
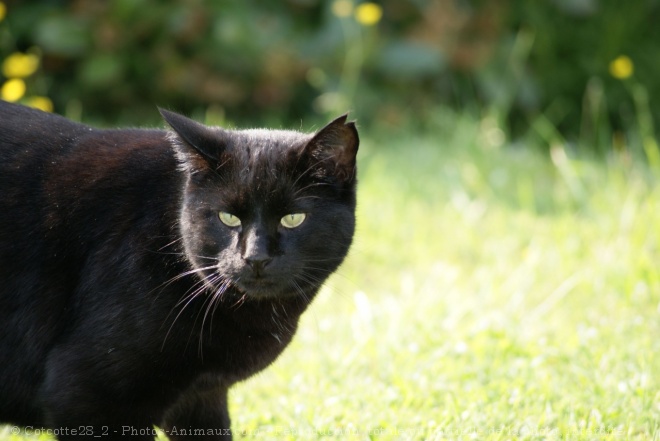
{"x": 229, "y": 219}
{"x": 293, "y": 220}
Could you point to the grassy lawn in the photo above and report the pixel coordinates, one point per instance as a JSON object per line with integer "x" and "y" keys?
{"x": 493, "y": 293}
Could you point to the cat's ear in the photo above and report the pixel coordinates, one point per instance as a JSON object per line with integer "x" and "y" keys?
{"x": 196, "y": 143}
{"x": 335, "y": 147}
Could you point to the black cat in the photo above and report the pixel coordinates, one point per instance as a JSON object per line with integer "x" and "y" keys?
{"x": 143, "y": 272}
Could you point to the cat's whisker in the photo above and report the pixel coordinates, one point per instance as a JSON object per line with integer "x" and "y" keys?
{"x": 214, "y": 298}
{"x": 180, "y": 276}
{"x": 311, "y": 167}
{"x": 240, "y": 301}
{"x": 205, "y": 307}
{"x": 303, "y": 174}
{"x": 215, "y": 259}
{"x": 170, "y": 244}
{"x": 201, "y": 289}
{"x": 186, "y": 300}
{"x": 224, "y": 285}
{"x": 300, "y": 290}
{"x": 275, "y": 318}
{"x": 186, "y": 297}
{"x": 330, "y": 259}
{"x": 186, "y": 255}
{"x": 337, "y": 274}
{"x": 312, "y": 185}
{"x": 306, "y": 280}
{"x": 167, "y": 334}
{"x": 326, "y": 272}
{"x": 300, "y": 198}
{"x": 333, "y": 287}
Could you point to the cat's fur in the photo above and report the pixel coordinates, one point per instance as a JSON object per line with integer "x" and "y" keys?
{"x": 124, "y": 300}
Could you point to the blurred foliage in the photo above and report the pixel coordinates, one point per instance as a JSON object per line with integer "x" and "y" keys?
{"x": 585, "y": 68}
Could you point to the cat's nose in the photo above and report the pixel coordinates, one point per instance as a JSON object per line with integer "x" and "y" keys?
{"x": 258, "y": 263}
{"x": 256, "y": 253}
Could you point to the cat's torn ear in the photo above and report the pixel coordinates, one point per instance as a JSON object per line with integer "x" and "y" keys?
{"x": 195, "y": 143}
{"x": 335, "y": 146}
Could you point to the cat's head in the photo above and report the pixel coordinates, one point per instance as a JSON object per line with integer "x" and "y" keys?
{"x": 266, "y": 213}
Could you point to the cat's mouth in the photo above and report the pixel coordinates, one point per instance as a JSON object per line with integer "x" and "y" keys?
{"x": 261, "y": 288}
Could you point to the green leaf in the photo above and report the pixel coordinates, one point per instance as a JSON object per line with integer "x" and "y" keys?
{"x": 101, "y": 70}
{"x": 411, "y": 59}
{"x": 63, "y": 36}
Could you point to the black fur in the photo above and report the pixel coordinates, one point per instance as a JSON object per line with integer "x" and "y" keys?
{"x": 124, "y": 300}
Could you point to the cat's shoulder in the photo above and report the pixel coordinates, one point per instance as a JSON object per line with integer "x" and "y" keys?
{"x": 20, "y": 125}
{"x": 17, "y": 116}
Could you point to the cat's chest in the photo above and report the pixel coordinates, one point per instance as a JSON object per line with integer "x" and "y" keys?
{"x": 233, "y": 343}
{"x": 233, "y": 339}
{"x": 245, "y": 352}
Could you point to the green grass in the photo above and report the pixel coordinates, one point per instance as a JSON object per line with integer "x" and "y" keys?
{"x": 492, "y": 294}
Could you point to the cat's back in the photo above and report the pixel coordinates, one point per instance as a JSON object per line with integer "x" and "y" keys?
{"x": 30, "y": 137}
{"x": 25, "y": 131}
{"x": 58, "y": 176}
{"x": 42, "y": 153}
{"x": 29, "y": 140}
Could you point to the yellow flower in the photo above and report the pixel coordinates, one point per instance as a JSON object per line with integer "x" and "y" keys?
{"x": 12, "y": 90}
{"x": 3, "y": 11}
{"x": 19, "y": 65}
{"x": 40, "y": 102}
{"x": 368, "y": 13}
{"x": 622, "y": 67}
{"x": 342, "y": 8}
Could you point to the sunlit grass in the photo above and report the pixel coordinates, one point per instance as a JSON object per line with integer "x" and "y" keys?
{"x": 492, "y": 294}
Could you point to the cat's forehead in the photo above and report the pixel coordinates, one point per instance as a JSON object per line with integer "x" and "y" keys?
{"x": 266, "y": 141}
{"x": 263, "y": 163}
{"x": 258, "y": 154}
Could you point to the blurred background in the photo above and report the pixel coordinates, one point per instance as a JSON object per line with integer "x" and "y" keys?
{"x": 586, "y": 68}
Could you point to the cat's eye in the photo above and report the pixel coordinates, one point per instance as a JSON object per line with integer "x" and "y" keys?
{"x": 293, "y": 220}
{"x": 229, "y": 219}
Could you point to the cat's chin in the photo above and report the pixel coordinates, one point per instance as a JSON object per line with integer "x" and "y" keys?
{"x": 265, "y": 290}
